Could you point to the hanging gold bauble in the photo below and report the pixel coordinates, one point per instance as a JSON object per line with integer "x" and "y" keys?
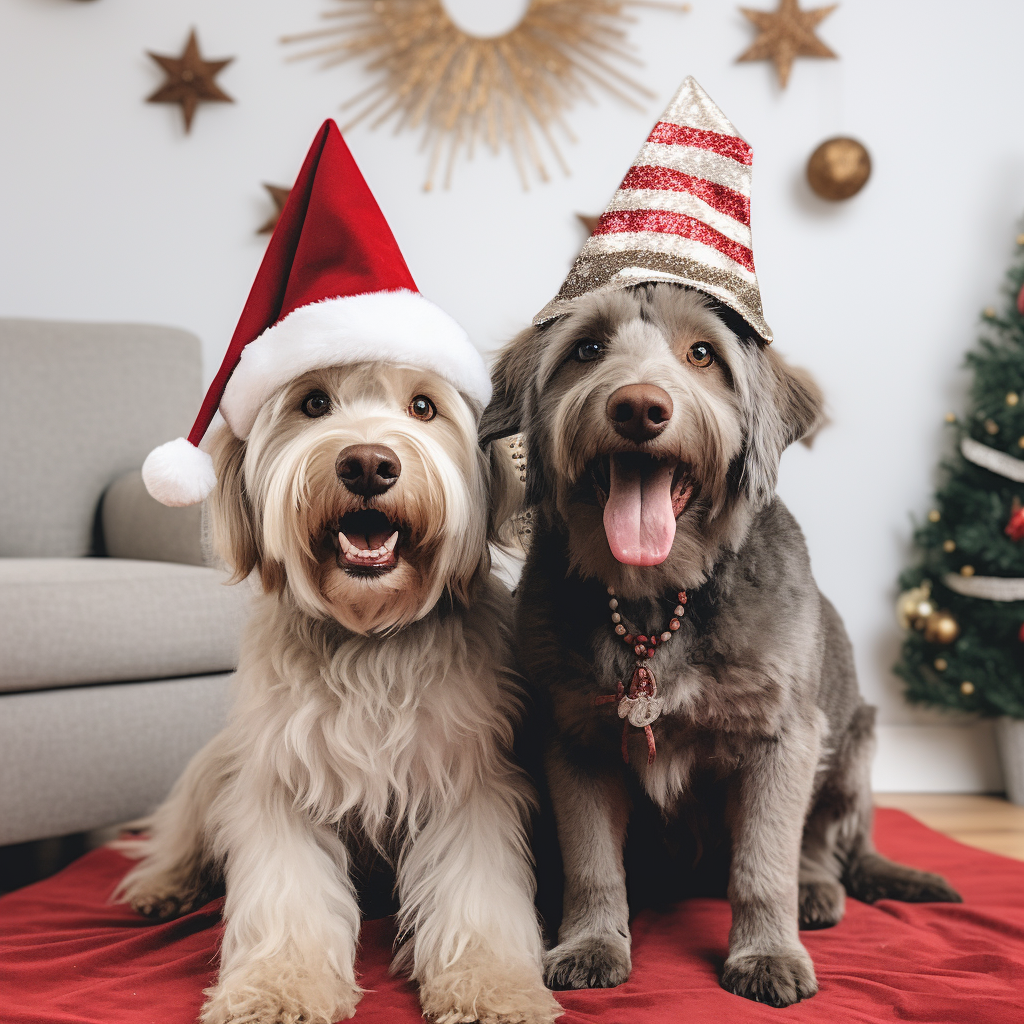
{"x": 911, "y": 603}
{"x": 941, "y": 628}
{"x": 838, "y": 169}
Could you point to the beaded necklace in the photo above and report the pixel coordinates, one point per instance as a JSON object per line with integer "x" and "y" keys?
{"x": 640, "y": 705}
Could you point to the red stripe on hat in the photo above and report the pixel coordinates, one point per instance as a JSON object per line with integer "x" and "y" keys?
{"x": 732, "y": 146}
{"x": 666, "y": 223}
{"x": 718, "y": 197}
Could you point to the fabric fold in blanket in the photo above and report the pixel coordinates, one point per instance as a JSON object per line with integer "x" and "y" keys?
{"x": 69, "y": 956}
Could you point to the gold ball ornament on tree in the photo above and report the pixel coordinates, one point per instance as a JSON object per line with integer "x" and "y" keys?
{"x": 941, "y": 628}
{"x": 967, "y": 688}
{"x": 838, "y": 169}
{"x": 914, "y": 606}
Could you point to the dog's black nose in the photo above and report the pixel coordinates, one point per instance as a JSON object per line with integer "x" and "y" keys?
{"x": 640, "y": 412}
{"x": 368, "y": 469}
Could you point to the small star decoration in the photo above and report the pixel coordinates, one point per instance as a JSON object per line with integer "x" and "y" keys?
{"x": 280, "y": 197}
{"x": 785, "y": 34}
{"x": 190, "y": 80}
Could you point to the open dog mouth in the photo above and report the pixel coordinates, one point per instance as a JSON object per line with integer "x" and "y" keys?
{"x": 642, "y": 496}
{"x": 367, "y": 542}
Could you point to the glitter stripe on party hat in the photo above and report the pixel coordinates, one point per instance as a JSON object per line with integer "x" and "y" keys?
{"x": 681, "y": 215}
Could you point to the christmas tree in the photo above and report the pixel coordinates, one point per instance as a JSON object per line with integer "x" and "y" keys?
{"x": 963, "y": 602}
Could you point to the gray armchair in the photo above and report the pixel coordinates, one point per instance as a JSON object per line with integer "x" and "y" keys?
{"x": 116, "y": 640}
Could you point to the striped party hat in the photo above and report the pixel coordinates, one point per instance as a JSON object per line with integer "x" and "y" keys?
{"x": 681, "y": 215}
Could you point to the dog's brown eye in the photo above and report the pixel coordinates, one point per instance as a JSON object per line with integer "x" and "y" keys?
{"x": 701, "y": 355}
{"x": 422, "y": 408}
{"x": 587, "y": 351}
{"x": 316, "y": 403}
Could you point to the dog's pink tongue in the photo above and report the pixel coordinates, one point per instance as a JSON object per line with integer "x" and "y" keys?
{"x": 638, "y": 518}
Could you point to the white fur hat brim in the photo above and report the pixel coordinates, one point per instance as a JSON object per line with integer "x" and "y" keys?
{"x": 392, "y": 326}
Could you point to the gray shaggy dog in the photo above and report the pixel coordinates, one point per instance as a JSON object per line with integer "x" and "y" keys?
{"x": 654, "y": 430}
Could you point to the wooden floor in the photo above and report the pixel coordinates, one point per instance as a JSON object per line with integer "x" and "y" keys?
{"x": 988, "y": 822}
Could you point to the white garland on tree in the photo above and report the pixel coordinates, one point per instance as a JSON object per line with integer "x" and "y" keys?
{"x": 990, "y": 588}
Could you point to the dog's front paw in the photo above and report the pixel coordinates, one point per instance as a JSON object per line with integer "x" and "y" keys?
{"x": 277, "y": 992}
{"x": 822, "y": 903}
{"x": 162, "y": 897}
{"x": 477, "y": 988}
{"x": 778, "y": 979}
{"x": 593, "y": 962}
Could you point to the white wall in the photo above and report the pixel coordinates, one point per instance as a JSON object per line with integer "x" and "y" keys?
{"x": 108, "y": 211}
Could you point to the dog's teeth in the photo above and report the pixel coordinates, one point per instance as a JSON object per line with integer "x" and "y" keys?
{"x": 389, "y": 544}
{"x": 346, "y": 545}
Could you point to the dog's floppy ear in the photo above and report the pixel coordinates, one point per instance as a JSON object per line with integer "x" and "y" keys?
{"x": 511, "y": 378}
{"x": 508, "y": 412}
{"x": 236, "y": 536}
{"x": 786, "y": 405}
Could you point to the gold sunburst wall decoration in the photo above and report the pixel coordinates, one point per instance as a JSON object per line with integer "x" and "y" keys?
{"x": 463, "y": 91}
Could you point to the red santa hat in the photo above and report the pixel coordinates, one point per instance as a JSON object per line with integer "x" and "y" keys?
{"x": 681, "y": 214}
{"x": 333, "y": 289}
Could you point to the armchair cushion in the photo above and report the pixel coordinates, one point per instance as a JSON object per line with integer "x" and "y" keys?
{"x": 69, "y": 621}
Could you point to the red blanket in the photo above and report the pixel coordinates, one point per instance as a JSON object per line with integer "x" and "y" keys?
{"x": 67, "y": 955}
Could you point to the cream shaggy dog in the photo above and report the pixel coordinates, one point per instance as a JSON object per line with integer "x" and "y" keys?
{"x": 373, "y": 713}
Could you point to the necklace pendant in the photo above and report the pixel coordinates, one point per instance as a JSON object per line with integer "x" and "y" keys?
{"x": 640, "y": 711}
{"x": 639, "y": 706}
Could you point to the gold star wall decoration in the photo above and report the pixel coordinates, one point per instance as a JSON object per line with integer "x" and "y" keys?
{"x": 785, "y": 34}
{"x": 190, "y": 80}
{"x": 280, "y": 197}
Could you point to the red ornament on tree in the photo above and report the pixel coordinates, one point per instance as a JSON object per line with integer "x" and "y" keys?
{"x": 1020, "y": 635}
{"x": 1020, "y": 300}
{"x": 1015, "y": 527}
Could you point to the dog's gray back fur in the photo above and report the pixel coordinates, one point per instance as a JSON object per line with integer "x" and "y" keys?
{"x": 762, "y": 716}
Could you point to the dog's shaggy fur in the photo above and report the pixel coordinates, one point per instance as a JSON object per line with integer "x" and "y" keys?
{"x": 763, "y": 729}
{"x": 373, "y": 715}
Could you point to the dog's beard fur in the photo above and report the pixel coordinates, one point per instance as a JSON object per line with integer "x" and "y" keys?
{"x": 730, "y": 424}
{"x": 278, "y": 500}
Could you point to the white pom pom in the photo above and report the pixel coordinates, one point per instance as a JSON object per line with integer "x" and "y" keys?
{"x": 178, "y": 473}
